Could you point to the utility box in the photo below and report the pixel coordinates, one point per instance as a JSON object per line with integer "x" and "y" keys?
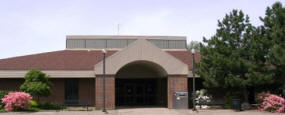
{"x": 180, "y": 100}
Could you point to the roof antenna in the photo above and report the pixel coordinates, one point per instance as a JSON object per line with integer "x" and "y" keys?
{"x": 118, "y": 29}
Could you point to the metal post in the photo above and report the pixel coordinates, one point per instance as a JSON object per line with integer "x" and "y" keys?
{"x": 194, "y": 90}
{"x": 104, "y": 83}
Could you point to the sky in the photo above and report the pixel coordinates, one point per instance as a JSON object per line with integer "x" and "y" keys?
{"x": 36, "y": 26}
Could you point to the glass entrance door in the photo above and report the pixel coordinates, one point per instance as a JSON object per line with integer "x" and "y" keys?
{"x": 134, "y": 92}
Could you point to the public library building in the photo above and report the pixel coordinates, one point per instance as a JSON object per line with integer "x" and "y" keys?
{"x": 139, "y": 70}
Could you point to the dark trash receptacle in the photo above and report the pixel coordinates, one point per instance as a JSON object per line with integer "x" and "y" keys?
{"x": 236, "y": 104}
{"x": 180, "y": 100}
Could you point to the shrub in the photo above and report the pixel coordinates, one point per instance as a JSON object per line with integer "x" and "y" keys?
{"x": 50, "y": 106}
{"x": 2, "y": 94}
{"x": 33, "y": 109}
{"x": 34, "y": 103}
{"x": 36, "y": 83}
{"x": 2, "y": 109}
{"x": 270, "y": 102}
{"x": 228, "y": 104}
{"x": 203, "y": 98}
{"x": 15, "y": 101}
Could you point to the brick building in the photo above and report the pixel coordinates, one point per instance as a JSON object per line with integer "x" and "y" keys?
{"x": 140, "y": 70}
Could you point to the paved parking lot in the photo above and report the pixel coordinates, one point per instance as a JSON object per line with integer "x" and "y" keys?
{"x": 145, "y": 111}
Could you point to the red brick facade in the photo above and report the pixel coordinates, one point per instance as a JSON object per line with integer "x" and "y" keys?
{"x": 85, "y": 85}
{"x": 110, "y": 92}
{"x": 57, "y": 92}
{"x": 176, "y": 84}
{"x": 91, "y": 90}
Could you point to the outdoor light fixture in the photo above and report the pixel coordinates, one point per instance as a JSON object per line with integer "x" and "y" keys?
{"x": 193, "y": 51}
{"x": 194, "y": 91}
{"x": 104, "y": 80}
{"x": 104, "y": 51}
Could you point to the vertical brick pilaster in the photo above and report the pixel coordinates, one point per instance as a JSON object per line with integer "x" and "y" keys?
{"x": 110, "y": 92}
{"x": 176, "y": 84}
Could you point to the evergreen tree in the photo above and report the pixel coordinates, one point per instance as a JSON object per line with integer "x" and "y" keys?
{"x": 36, "y": 83}
{"x": 273, "y": 29}
{"x": 232, "y": 59}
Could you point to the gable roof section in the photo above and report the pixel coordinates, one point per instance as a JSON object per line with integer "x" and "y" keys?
{"x": 58, "y": 60}
{"x": 142, "y": 50}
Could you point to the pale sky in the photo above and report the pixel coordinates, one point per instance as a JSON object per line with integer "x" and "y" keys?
{"x": 36, "y": 26}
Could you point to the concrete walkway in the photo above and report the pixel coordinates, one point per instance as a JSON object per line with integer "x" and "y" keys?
{"x": 146, "y": 111}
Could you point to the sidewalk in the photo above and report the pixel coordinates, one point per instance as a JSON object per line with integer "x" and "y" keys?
{"x": 146, "y": 111}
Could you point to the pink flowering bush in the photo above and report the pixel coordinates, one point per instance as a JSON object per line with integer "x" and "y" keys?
{"x": 15, "y": 101}
{"x": 270, "y": 102}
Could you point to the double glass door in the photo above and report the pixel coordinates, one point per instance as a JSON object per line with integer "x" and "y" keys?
{"x": 135, "y": 92}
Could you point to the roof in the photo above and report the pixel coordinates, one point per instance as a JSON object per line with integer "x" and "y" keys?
{"x": 72, "y": 60}
{"x": 58, "y": 60}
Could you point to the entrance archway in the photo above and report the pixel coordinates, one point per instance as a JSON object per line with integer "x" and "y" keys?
{"x": 141, "y": 83}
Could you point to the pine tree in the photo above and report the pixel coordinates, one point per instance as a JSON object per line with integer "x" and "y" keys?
{"x": 273, "y": 29}
{"x": 233, "y": 58}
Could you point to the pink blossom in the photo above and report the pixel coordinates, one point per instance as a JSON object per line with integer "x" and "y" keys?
{"x": 16, "y": 100}
{"x": 270, "y": 102}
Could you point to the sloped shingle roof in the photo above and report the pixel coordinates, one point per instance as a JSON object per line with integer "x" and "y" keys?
{"x": 72, "y": 60}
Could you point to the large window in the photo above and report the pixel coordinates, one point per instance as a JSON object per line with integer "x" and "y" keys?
{"x": 121, "y": 43}
{"x": 98, "y": 43}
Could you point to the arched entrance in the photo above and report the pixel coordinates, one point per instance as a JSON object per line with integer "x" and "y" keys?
{"x": 141, "y": 83}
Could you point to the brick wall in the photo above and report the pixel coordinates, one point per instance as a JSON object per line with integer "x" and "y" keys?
{"x": 57, "y": 88}
{"x": 86, "y": 91}
{"x": 110, "y": 92}
{"x": 57, "y": 92}
{"x": 85, "y": 85}
{"x": 11, "y": 84}
{"x": 176, "y": 84}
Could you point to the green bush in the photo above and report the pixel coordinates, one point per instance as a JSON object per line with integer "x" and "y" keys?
{"x": 2, "y": 108}
{"x": 34, "y": 103}
{"x": 33, "y": 109}
{"x": 50, "y": 106}
{"x": 37, "y": 84}
{"x": 228, "y": 104}
{"x": 2, "y": 94}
